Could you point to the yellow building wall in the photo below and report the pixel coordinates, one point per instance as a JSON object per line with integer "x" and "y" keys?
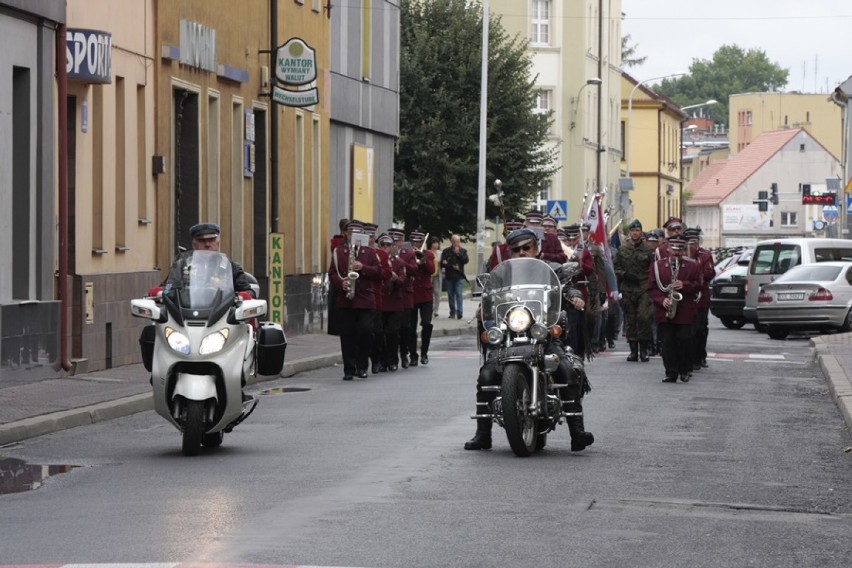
{"x": 112, "y": 190}
{"x": 242, "y": 33}
{"x": 775, "y": 111}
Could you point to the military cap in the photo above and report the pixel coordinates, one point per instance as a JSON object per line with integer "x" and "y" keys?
{"x": 533, "y": 217}
{"x": 677, "y": 243}
{"x": 385, "y": 239}
{"x": 652, "y": 236}
{"x": 416, "y": 236}
{"x": 572, "y": 230}
{"x": 370, "y": 228}
{"x": 512, "y": 224}
{"x": 396, "y": 234}
{"x": 673, "y": 223}
{"x": 548, "y": 221}
{"x": 204, "y": 231}
{"x": 561, "y": 234}
{"x": 520, "y": 237}
{"x": 691, "y": 234}
{"x": 635, "y": 224}
{"x": 354, "y": 226}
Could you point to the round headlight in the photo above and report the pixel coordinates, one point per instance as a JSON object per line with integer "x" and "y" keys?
{"x": 494, "y": 335}
{"x": 177, "y": 341}
{"x": 539, "y": 332}
{"x": 214, "y": 342}
{"x": 518, "y": 319}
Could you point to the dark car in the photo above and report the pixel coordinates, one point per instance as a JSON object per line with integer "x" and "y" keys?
{"x": 727, "y": 297}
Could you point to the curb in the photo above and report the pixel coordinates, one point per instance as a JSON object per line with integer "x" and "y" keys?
{"x": 87, "y": 415}
{"x": 838, "y": 383}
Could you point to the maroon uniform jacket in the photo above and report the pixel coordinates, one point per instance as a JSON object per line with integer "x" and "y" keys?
{"x": 393, "y": 299}
{"x": 551, "y": 249}
{"x": 689, "y": 273}
{"x": 423, "y": 278}
{"x": 410, "y": 262}
{"x": 338, "y": 270}
{"x": 378, "y": 285}
{"x": 500, "y": 253}
{"x": 707, "y": 271}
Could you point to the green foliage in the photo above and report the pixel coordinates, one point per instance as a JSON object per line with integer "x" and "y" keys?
{"x": 731, "y": 71}
{"x": 628, "y": 53}
{"x": 437, "y": 162}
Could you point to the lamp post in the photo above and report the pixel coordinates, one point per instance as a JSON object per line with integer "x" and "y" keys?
{"x": 483, "y": 114}
{"x": 575, "y": 102}
{"x": 628, "y": 125}
{"x": 705, "y": 103}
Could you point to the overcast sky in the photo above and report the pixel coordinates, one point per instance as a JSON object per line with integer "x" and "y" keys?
{"x": 812, "y": 39}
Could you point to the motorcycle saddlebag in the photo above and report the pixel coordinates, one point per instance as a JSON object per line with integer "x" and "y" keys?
{"x": 271, "y": 347}
{"x": 146, "y": 344}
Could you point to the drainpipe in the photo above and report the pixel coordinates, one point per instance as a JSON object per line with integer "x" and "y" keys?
{"x": 273, "y": 124}
{"x": 62, "y": 191}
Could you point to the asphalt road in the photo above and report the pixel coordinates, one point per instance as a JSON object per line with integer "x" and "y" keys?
{"x": 746, "y": 465}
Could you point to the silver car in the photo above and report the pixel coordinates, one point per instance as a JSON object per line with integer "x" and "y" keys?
{"x": 807, "y": 297}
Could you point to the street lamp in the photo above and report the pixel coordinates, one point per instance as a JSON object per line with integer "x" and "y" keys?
{"x": 575, "y": 102}
{"x": 630, "y": 115}
{"x": 483, "y": 114}
{"x": 706, "y": 103}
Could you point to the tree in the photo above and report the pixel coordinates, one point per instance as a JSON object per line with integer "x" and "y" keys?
{"x": 628, "y": 53}
{"x": 731, "y": 71}
{"x": 437, "y": 163}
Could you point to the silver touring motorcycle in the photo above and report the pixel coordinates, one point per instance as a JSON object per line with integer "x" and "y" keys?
{"x": 204, "y": 343}
{"x": 521, "y": 310}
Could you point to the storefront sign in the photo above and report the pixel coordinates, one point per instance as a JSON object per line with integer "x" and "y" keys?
{"x": 198, "y": 46}
{"x": 88, "y": 56}
{"x": 276, "y": 311}
{"x": 295, "y": 63}
{"x": 309, "y": 97}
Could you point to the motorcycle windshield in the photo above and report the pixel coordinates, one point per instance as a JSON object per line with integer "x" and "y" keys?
{"x": 207, "y": 280}
{"x": 526, "y": 281}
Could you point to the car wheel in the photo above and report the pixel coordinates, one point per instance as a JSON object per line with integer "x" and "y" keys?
{"x": 775, "y": 333}
{"x": 733, "y": 323}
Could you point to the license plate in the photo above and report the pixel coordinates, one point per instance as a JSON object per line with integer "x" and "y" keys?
{"x": 728, "y": 290}
{"x": 791, "y": 296}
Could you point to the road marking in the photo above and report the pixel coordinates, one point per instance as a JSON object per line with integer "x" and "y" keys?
{"x": 167, "y": 565}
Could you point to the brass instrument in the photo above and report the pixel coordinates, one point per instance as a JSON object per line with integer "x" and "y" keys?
{"x": 418, "y": 253}
{"x": 674, "y": 296}
{"x": 352, "y": 276}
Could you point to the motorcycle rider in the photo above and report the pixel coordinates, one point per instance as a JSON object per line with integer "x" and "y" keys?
{"x": 523, "y": 243}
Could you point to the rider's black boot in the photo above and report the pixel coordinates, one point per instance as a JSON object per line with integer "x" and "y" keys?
{"x": 580, "y": 439}
{"x": 634, "y": 351}
{"x": 482, "y": 439}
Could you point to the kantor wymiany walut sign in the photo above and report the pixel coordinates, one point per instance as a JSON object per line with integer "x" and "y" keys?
{"x": 296, "y": 66}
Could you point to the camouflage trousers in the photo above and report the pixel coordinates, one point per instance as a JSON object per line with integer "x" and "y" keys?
{"x": 638, "y": 314}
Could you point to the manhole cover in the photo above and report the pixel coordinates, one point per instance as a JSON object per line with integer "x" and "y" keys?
{"x": 284, "y": 390}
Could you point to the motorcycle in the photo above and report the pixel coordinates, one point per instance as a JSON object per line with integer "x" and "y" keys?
{"x": 521, "y": 309}
{"x": 203, "y": 345}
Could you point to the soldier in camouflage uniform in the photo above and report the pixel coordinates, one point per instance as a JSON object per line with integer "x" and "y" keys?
{"x": 631, "y": 266}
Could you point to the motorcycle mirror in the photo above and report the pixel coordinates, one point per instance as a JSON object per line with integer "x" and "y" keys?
{"x": 249, "y": 309}
{"x": 146, "y": 308}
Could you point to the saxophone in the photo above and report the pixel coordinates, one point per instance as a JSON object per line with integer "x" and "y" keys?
{"x": 674, "y": 296}
{"x": 352, "y": 276}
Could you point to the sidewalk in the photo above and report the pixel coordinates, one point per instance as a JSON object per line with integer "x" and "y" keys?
{"x": 833, "y": 353}
{"x": 37, "y": 408}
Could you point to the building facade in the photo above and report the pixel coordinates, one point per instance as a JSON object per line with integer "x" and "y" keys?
{"x": 652, "y": 127}
{"x": 751, "y": 114}
{"x": 576, "y": 53}
{"x": 365, "y": 40}
{"x": 30, "y": 311}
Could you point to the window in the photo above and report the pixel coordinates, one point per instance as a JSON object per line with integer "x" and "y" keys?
{"x": 789, "y": 218}
{"x": 541, "y": 22}
{"x": 542, "y": 101}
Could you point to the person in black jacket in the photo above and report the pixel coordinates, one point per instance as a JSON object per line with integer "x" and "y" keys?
{"x": 453, "y": 259}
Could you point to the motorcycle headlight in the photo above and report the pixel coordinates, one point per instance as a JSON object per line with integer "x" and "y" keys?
{"x": 494, "y": 335}
{"x": 214, "y": 342}
{"x": 177, "y": 341}
{"x": 539, "y": 332}
{"x": 518, "y": 319}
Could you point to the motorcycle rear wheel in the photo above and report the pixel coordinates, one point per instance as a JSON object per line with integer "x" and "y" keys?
{"x": 193, "y": 427}
{"x": 520, "y": 425}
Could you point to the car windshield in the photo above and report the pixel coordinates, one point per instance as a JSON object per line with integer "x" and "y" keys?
{"x": 810, "y": 273}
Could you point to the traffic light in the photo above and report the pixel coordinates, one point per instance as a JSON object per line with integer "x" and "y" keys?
{"x": 806, "y": 189}
{"x": 762, "y": 201}
{"x": 773, "y": 196}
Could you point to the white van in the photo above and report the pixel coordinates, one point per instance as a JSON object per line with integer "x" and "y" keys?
{"x": 774, "y": 257}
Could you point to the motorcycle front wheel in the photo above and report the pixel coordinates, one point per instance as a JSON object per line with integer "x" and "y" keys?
{"x": 193, "y": 427}
{"x": 518, "y": 420}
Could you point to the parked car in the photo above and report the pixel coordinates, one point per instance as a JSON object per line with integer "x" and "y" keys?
{"x": 774, "y": 257}
{"x": 807, "y": 297}
{"x": 741, "y": 256}
{"x": 727, "y": 296}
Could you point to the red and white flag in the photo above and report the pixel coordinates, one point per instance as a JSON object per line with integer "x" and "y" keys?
{"x": 597, "y": 224}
